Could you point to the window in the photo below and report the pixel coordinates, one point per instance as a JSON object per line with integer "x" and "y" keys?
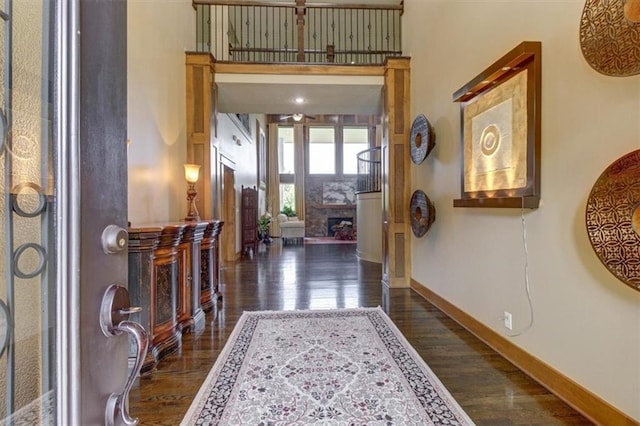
{"x": 287, "y": 196}
{"x": 286, "y": 158}
{"x": 322, "y": 150}
{"x": 286, "y": 167}
{"x": 354, "y": 140}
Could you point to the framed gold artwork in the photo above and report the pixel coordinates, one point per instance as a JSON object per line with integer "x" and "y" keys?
{"x": 500, "y": 132}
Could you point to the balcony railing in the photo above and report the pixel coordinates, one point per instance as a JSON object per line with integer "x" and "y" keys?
{"x": 292, "y": 33}
{"x": 369, "y": 170}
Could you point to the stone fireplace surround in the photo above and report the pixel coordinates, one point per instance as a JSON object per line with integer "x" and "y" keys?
{"x": 318, "y": 211}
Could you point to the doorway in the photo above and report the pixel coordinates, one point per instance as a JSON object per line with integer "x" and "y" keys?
{"x": 228, "y": 237}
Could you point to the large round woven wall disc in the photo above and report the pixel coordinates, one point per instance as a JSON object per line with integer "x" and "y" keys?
{"x": 423, "y": 139}
{"x": 423, "y": 213}
{"x": 613, "y": 218}
{"x": 609, "y": 39}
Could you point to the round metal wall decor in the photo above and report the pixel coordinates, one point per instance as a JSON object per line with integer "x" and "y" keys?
{"x": 423, "y": 213}
{"x": 613, "y": 218}
{"x": 423, "y": 139}
{"x": 610, "y": 37}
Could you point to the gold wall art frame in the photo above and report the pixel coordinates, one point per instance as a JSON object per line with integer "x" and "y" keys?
{"x": 500, "y": 132}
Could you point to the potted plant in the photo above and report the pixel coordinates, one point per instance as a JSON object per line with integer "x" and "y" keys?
{"x": 263, "y": 228}
{"x": 288, "y": 211}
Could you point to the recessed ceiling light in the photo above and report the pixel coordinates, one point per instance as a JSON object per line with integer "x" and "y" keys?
{"x": 299, "y": 100}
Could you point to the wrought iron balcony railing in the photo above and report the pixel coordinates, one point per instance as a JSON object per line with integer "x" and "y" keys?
{"x": 282, "y": 32}
{"x": 369, "y": 170}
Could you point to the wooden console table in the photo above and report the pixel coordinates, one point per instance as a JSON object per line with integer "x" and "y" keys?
{"x": 173, "y": 271}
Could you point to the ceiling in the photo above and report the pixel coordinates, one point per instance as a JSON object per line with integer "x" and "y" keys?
{"x": 276, "y": 94}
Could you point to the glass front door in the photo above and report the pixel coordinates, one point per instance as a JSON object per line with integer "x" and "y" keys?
{"x": 27, "y": 253}
{"x": 63, "y": 184}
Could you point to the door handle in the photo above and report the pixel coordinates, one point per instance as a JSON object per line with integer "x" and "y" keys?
{"x": 114, "y": 320}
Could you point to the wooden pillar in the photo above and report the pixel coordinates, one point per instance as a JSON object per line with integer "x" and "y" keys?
{"x": 396, "y": 232}
{"x": 199, "y": 79}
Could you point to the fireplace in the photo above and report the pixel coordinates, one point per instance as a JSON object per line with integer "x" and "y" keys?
{"x": 332, "y": 221}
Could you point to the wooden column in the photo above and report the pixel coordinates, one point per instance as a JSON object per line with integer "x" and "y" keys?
{"x": 396, "y": 245}
{"x": 199, "y": 79}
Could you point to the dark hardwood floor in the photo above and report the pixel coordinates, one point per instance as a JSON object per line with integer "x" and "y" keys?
{"x": 490, "y": 389}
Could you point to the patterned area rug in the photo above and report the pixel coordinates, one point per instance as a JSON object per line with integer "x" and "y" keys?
{"x": 333, "y": 367}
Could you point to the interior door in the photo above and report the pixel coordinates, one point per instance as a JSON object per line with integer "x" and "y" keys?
{"x": 63, "y": 182}
{"x": 228, "y": 235}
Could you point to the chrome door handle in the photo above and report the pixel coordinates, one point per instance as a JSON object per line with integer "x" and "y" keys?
{"x": 114, "y": 320}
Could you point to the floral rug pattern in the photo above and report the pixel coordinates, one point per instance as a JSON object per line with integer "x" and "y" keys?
{"x": 334, "y": 367}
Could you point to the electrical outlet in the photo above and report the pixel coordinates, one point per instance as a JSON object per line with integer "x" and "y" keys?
{"x": 508, "y": 320}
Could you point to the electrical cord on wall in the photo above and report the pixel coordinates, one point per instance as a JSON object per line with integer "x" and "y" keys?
{"x": 526, "y": 276}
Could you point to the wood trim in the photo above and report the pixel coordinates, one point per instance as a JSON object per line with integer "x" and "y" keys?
{"x": 319, "y": 5}
{"x": 526, "y": 57}
{"x": 198, "y": 120}
{"x": 298, "y": 69}
{"x": 397, "y": 62}
{"x": 396, "y": 173}
{"x": 228, "y": 235}
{"x": 586, "y": 402}
{"x": 199, "y": 58}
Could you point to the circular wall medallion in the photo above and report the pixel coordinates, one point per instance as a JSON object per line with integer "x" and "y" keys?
{"x": 423, "y": 213}
{"x": 423, "y": 139}
{"x": 613, "y": 218}
{"x": 609, "y": 39}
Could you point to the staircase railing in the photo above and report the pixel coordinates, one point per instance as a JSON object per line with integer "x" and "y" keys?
{"x": 369, "y": 170}
{"x": 281, "y": 32}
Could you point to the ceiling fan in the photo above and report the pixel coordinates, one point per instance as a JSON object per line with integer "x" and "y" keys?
{"x": 297, "y": 117}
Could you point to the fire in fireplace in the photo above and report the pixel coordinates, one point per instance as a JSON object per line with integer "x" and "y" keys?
{"x": 333, "y": 221}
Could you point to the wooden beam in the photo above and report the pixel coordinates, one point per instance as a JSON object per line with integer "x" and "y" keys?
{"x": 300, "y": 69}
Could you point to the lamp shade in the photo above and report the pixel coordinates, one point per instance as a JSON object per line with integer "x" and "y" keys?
{"x": 191, "y": 172}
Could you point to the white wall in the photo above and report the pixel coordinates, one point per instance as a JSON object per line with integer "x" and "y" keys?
{"x": 587, "y": 323}
{"x": 244, "y": 156}
{"x": 159, "y": 32}
{"x": 369, "y": 212}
